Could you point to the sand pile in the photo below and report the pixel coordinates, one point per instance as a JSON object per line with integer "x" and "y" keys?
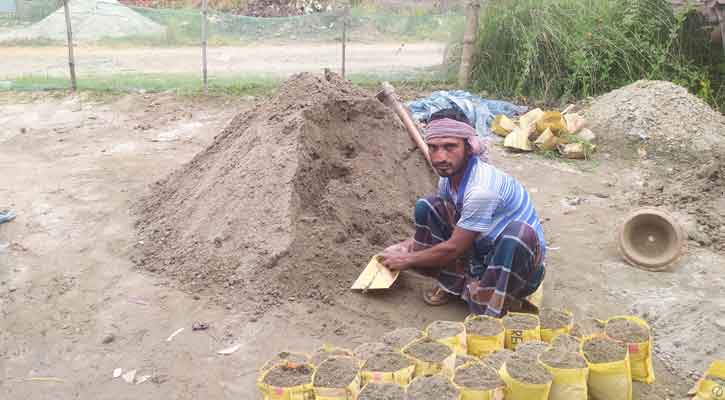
{"x": 683, "y": 141}
{"x": 665, "y": 119}
{"x": 696, "y": 189}
{"x": 291, "y": 199}
{"x": 91, "y": 20}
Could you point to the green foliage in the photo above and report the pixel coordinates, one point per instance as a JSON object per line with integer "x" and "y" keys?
{"x": 555, "y": 50}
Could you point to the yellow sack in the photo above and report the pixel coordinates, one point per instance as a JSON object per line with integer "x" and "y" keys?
{"x": 457, "y": 343}
{"x": 640, "y": 354}
{"x": 712, "y": 385}
{"x": 517, "y": 390}
{"x": 531, "y": 118}
{"x": 537, "y": 298}
{"x": 568, "y": 383}
{"x": 514, "y": 337}
{"x": 349, "y": 392}
{"x": 574, "y": 122}
{"x": 546, "y": 141}
{"x": 424, "y": 368}
{"x": 287, "y": 357}
{"x": 477, "y": 394}
{"x": 502, "y": 125}
{"x": 552, "y": 120}
{"x": 547, "y": 335}
{"x": 270, "y": 392}
{"x": 328, "y": 351}
{"x": 609, "y": 381}
{"x": 401, "y": 377}
{"x": 481, "y": 346}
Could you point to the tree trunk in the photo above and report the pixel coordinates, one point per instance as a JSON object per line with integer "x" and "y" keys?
{"x": 473, "y": 9}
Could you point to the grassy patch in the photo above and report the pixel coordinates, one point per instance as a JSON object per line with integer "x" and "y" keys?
{"x": 185, "y": 84}
{"x": 560, "y": 50}
{"x": 182, "y": 84}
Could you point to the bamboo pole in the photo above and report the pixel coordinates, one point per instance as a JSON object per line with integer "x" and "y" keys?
{"x": 204, "y": 41}
{"x": 71, "y": 57}
{"x": 473, "y": 9}
{"x": 344, "y": 41}
{"x": 387, "y": 96}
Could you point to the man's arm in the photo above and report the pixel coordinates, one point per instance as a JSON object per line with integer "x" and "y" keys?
{"x": 443, "y": 253}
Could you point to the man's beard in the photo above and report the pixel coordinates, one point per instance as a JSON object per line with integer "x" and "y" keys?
{"x": 447, "y": 170}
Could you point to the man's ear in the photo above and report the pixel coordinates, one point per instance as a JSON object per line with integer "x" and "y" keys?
{"x": 467, "y": 147}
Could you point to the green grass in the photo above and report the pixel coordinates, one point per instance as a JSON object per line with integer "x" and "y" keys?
{"x": 187, "y": 84}
{"x": 562, "y": 50}
{"x": 180, "y": 83}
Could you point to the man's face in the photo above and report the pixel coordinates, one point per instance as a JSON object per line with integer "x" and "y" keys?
{"x": 448, "y": 155}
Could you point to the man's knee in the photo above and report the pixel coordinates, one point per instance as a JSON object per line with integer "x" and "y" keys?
{"x": 424, "y": 207}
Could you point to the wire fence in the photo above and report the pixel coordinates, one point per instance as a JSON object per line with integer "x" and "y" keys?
{"x": 123, "y": 47}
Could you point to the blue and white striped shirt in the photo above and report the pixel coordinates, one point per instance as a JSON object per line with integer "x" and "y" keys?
{"x": 491, "y": 200}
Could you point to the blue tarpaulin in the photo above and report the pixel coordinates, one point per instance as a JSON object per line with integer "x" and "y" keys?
{"x": 480, "y": 112}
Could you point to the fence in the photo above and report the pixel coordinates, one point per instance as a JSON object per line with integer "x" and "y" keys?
{"x": 123, "y": 48}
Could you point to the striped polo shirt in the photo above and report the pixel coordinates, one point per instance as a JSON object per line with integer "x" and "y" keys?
{"x": 491, "y": 200}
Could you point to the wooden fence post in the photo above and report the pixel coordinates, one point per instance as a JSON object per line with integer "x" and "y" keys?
{"x": 473, "y": 9}
{"x": 71, "y": 57}
{"x": 344, "y": 40}
{"x": 204, "y": 29}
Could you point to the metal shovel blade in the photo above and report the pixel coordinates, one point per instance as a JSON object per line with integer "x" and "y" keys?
{"x": 375, "y": 276}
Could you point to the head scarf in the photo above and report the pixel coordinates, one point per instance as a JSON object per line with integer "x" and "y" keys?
{"x": 446, "y": 127}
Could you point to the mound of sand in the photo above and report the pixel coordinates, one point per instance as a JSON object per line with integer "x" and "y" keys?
{"x": 90, "y": 20}
{"x": 683, "y": 140}
{"x": 291, "y": 199}
{"x": 663, "y": 118}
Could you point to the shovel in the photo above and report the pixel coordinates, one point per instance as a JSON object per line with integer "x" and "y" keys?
{"x": 375, "y": 276}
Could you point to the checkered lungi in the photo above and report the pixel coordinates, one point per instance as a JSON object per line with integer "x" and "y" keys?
{"x": 511, "y": 267}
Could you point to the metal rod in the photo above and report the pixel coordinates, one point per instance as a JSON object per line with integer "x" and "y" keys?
{"x": 71, "y": 57}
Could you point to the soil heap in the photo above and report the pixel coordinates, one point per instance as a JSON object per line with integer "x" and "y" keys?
{"x": 291, "y": 199}
{"x": 665, "y": 119}
{"x": 683, "y": 140}
{"x": 91, "y": 20}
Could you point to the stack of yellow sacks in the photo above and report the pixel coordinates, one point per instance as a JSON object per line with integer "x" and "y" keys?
{"x": 546, "y": 131}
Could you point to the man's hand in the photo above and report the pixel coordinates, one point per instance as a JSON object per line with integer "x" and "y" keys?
{"x": 396, "y": 260}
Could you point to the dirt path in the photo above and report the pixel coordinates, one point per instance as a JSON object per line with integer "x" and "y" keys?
{"x": 256, "y": 60}
{"x": 72, "y": 167}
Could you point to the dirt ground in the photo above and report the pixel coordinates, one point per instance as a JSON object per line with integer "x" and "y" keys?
{"x": 73, "y": 166}
{"x": 265, "y": 59}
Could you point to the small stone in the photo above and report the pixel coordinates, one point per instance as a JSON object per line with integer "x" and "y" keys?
{"x": 196, "y": 297}
{"x": 129, "y": 376}
{"x": 12, "y": 289}
{"x": 108, "y": 338}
